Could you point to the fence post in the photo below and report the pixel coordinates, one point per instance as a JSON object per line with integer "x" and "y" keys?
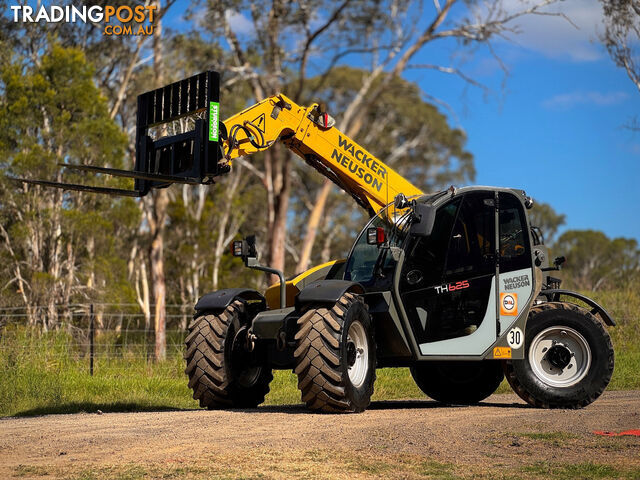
{"x": 91, "y": 334}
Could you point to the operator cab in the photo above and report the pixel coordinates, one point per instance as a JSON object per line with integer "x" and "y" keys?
{"x": 446, "y": 280}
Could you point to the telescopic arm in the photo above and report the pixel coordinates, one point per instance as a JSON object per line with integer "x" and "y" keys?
{"x": 310, "y": 133}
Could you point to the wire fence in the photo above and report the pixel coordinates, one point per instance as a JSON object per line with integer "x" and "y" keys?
{"x": 106, "y": 336}
{"x": 98, "y": 335}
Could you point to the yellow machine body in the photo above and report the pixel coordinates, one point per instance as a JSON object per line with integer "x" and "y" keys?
{"x": 295, "y": 285}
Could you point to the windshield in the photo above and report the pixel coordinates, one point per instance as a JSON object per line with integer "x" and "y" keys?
{"x": 366, "y": 262}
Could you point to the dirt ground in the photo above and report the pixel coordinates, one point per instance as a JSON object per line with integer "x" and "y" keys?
{"x": 501, "y": 438}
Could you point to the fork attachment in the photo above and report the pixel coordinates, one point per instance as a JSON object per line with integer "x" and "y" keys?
{"x": 191, "y": 157}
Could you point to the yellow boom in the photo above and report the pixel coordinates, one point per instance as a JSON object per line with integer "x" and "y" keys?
{"x": 309, "y": 132}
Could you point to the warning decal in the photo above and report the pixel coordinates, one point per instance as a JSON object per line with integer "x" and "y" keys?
{"x": 259, "y": 122}
{"x": 501, "y": 352}
{"x": 508, "y": 304}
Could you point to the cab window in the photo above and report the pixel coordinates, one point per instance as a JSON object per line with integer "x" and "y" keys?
{"x": 426, "y": 255}
{"x": 515, "y": 252}
{"x": 471, "y": 247}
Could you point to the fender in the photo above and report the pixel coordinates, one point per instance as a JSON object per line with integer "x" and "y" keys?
{"x": 326, "y": 291}
{"x": 221, "y": 299}
{"x": 553, "y": 295}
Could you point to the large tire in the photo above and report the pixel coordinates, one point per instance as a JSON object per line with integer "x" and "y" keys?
{"x": 570, "y": 373}
{"x": 461, "y": 383}
{"x": 336, "y": 356}
{"x": 222, "y": 373}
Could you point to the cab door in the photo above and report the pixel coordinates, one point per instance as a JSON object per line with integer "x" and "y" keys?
{"x": 447, "y": 284}
{"x": 516, "y": 267}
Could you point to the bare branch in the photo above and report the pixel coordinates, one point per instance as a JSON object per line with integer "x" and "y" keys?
{"x": 622, "y": 34}
{"x": 310, "y": 39}
{"x": 291, "y": 249}
{"x": 452, "y": 71}
{"x": 631, "y": 72}
{"x": 424, "y": 38}
{"x": 251, "y": 168}
{"x": 127, "y": 77}
{"x": 133, "y": 62}
{"x": 232, "y": 40}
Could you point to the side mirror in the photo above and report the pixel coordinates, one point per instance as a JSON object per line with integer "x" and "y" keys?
{"x": 558, "y": 261}
{"x": 400, "y": 201}
{"x": 528, "y": 203}
{"x": 424, "y": 217}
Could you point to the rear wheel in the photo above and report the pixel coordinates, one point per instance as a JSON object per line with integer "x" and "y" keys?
{"x": 458, "y": 382}
{"x": 222, "y": 372}
{"x": 568, "y": 360}
{"x": 335, "y": 356}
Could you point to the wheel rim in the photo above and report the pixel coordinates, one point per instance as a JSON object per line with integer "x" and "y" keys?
{"x": 244, "y": 374}
{"x": 560, "y": 356}
{"x": 357, "y": 354}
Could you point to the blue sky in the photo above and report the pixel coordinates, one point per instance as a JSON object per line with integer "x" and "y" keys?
{"x": 555, "y": 126}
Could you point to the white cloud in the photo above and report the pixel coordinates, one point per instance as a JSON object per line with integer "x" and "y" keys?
{"x": 240, "y": 24}
{"x": 566, "y": 101}
{"x": 554, "y": 36}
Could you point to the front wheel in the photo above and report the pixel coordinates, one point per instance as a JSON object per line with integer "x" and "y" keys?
{"x": 568, "y": 360}
{"x": 222, "y": 372}
{"x": 336, "y": 356}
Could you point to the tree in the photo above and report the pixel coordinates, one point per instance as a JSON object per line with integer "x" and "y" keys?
{"x": 56, "y": 247}
{"x": 543, "y": 216}
{"x": 595, "y": 262}
{"x": 621, "y": 36}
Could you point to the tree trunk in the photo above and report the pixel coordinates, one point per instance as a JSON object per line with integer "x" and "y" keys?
{"x": 159, "y": 203}
{"x": 142, "y": 294}
{"x": 227, "y": 229}
{"x": 156, "y": 256}
{"x": 277, "y": 231}
{"x": 312, "y": 226}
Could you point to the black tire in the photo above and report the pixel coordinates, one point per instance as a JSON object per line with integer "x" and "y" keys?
{"x": 544, "y": 322}
{"x": 324, "y": 353}
{"x": 222, "y": 373}
{"x": 461, "y": 383}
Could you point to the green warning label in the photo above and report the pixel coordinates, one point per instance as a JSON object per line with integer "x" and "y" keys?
{"x": 214, "y": 120}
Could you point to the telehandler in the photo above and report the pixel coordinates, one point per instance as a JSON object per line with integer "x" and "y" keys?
{"x": 454, "y": 285}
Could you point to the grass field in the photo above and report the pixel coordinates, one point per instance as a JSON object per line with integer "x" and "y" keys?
{"x": 41, "y": 373}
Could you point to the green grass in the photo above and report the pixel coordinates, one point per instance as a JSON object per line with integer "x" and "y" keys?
{"x": 30, "y": 471}
{"x": 624, "y": 307}
{"x": 41, "y": 373}
{"x": 583, "y": 470}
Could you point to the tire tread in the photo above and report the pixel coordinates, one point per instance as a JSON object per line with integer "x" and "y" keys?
{"x": 205, "y": 357}
{"x": 317, "y": 357}
{"x": 527, "y": 396}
